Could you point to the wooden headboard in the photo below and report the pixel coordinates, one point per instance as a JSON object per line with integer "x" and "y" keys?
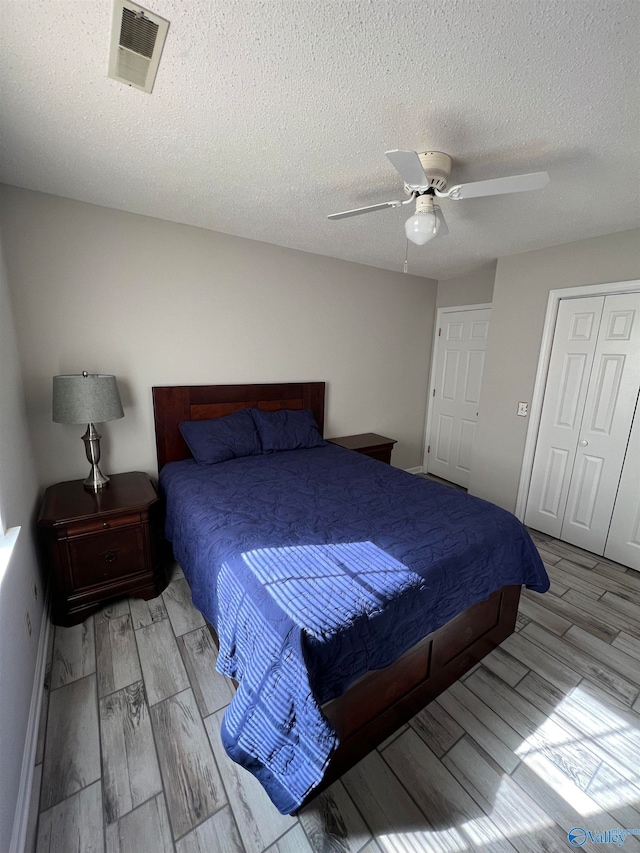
{"x": 175, "y": 403}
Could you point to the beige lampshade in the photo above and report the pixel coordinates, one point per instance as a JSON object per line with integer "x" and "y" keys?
{"x": 83, "y": 399}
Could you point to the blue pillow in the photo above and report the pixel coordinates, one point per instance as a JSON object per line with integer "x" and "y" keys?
{"x": 220, "y": 439}
{"x": 287, "y": 429}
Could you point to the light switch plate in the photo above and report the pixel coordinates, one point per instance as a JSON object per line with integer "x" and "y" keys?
{"x": 523, "y": 409}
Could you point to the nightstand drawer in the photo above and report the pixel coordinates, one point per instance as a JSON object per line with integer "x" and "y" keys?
{"x": 102, "y": 557}
{"x": 78, "y": 528}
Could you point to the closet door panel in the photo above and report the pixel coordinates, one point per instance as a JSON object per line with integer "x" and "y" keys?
{"x": 623, "y": 542}
{"x": 604, "y": 434}
{"x": 574, "y": 346}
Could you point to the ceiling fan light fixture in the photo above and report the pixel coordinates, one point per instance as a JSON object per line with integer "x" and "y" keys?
{"x": 424, "y": 224}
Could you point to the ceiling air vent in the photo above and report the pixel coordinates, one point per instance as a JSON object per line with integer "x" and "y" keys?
{"x": 137, "y": 39}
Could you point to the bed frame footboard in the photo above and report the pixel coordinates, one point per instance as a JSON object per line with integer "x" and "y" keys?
{"x": 377, "y": 704}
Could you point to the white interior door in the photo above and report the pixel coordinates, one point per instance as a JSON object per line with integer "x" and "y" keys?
{"x": 574, "y": 346}
{"x": 623, "y": 542}
{"x": 588, "y": 410}
{"x": 459, "y": 365}
{"x": 606, "y": 425}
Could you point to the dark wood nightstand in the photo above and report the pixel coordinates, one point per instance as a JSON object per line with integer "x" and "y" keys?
{"x": 375, "y": 446}
{"x": 101, "y": 545}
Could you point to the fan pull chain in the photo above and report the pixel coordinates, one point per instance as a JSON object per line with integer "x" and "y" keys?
{"x": 406, "y": 256}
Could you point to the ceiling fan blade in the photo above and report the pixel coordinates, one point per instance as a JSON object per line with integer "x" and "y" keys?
{"x": 358, "y": 210}
{"x": 442, "y": 229}
{"x": 410, "y": 168}
{"x": 498, "y": 186}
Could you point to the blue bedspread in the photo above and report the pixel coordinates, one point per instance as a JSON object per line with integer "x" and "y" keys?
{"x": 315, "y": 566}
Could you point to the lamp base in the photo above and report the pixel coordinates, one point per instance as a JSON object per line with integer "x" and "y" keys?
{"x": 96, "y": 479}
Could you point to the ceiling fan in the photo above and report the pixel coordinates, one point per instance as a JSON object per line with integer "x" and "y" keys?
{"x": 425, "y": 177}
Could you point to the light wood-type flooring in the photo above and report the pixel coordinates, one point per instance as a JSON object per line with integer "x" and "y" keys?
{"x": 543, "y": 737}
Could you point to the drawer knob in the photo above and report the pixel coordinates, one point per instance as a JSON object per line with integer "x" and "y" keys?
{"x": 105, "y": 524}
{"x": 111, "y": 556}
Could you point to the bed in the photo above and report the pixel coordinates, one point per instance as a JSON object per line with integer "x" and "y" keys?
{"x": 353, "y": 652}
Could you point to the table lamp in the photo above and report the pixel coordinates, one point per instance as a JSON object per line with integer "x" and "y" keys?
{"x": 87, "y": 398}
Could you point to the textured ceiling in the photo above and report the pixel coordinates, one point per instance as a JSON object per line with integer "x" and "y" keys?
{"x": 268, "y": 115}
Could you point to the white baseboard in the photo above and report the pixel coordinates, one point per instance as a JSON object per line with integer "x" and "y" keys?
{"x": 418, "y": 470}
{"x": 21, "y": 817}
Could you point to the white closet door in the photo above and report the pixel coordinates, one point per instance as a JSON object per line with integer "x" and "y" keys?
{"x": 623, "y": 542}
{"x": 574, "y": 346}
{"x": 458, "y": 379}
{"x": 608, "y": 415}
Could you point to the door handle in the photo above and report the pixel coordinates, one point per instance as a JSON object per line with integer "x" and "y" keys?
{"x": 583, "y": 443}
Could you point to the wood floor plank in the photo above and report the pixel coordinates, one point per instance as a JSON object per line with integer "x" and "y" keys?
{"x": 452, "y": 812}
{"x": 389, "y": 810}
{"x": 488, "y": 729}
{"x": 574, "y": 615}
{"x": 113, "y": 610}
{"x": 521, "y": 620}
{"x": 581, "y": 661}
{"x": 567, "y": 804}
{"x": 131, "y": 774}
{"x": 295, "y": 841}
{"x": 333, "y": 824}
{"x": 617, "y": 581}
{"x": 613, "y": 728}
{"x": 72, "y": 750}
{"x": 380, "y": 798}
{"x": 521, "y": 715}
{"x": 627, "y": 644}
{"x": 74, "y": 654}
{"x": 260, "y": 824}
{"x": 556, "y": 588}
{"x": 559, "y": 574}
{"x": 515, "y": 814}
{"x": 117, "y": 662}
{"x": 585, "y": 559}
{"x": 549, "y": 734}
{"x": 546, "y": 555}
{"x": 145, "y": 613}
{"x": 611, "y": 570}
{"x": 536, "y": 610}
{"x": 505, "y": 666}
{"x": 219, "y": 833}
{"x": 183, "y": 615}
{"x": 616, "y": 795}
{"x": 618, "y": 612}
{"x": 74, "y": 825}
{"x": 532, "y": 656}
{"x": 212, "y": 690}
{"x": 610, "y": 730}
{"x": 162, "y": 667}
{"x": 144, "y": 828}
{"x": 607, "y": 654}
{"x": 436, "y": 727}
{"x": 621, "y": 584}
{"x": 192, "y": 783}
{"x": 623, "y": 605}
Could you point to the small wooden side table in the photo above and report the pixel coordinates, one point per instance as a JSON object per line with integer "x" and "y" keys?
{"x": 102, "y": 545}
{"x": 375, "y": 446}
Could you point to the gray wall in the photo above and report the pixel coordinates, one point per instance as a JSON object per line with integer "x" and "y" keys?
{"x": 158, "y": 303}
{"x": 520, "y": 296}
{"x": 474, "y": 288}
{"x": 18, "y": 496}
